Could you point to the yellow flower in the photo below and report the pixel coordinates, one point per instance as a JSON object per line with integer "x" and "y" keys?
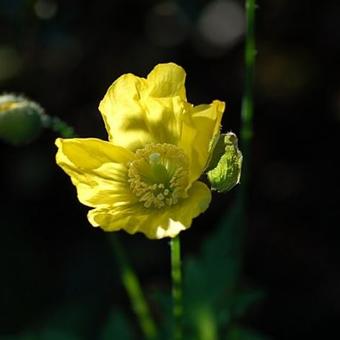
{"x": 145, "y": 178}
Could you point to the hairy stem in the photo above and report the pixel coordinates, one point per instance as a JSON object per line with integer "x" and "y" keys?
{"x": 134, "y": 291}
{"x": 176, "y": 275}
{"x": 247, "y": 102}
{"x": 128, "y": 276}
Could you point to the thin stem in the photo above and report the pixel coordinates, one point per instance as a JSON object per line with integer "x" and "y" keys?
{"x": 176, "y": 275}
{"x": 247, "y": 102}
{"x": 246, "y": 122}
{"x": 128, "y": 276}
{"x": 134, "y": 291}
{"x": 57, "y": 125}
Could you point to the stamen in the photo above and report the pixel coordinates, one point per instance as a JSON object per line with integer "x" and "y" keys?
{"x": 159, "y": 175}
{"x": 160, "y": 197}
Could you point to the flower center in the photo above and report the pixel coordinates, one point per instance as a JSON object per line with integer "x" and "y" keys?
{"x": 159, "y": 175}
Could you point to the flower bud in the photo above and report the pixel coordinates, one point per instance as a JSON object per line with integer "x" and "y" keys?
{"x": 225, "y": 165}
{"x": 21, "y": 120}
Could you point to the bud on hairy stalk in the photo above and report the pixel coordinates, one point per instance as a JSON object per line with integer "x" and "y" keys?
{"x": 21, "y": 120}
{"x": 224, "y": 170}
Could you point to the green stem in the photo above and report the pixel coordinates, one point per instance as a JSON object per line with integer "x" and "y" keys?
{"x": 246, "y": 132}
{"x": 59, "y": 126}
{"x": 128, "y": 276}
{"x": 247, "y": 102}
{"x": 134, "y": 291}
{"x": 176, "y": 275}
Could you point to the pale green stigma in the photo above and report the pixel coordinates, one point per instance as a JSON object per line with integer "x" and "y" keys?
{"x": 154, "y": 158}
{"x": 159, "y": 175}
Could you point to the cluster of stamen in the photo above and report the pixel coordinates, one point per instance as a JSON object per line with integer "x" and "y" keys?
{"x": 159, "y": 175}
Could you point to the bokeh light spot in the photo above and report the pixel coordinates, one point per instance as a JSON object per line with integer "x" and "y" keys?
{"x": 45, "y": 9}
{"x": 10, "y": 62}
{"x": 222, "y": 23}
{"x": 166, "y": 25}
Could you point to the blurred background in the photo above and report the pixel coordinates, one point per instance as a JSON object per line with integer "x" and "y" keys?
{"x": 65, "y": 54}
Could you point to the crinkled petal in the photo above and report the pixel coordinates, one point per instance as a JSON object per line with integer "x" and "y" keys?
{"x": 166, "y": 80}
{"x": 98, "y": 169}
{"x": 155, "y": 224}
{"x": 199, "y": 127}
{"x": 138, "y": 111}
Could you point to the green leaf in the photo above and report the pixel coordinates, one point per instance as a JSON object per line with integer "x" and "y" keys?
{"x": 210, "y": 280}
{"x": 54, "y": 334}
{"x": 237, "y": 333}
{"x": 24, "y": 336}
{"x": 117, "y": 328}
{"x": 225, "y": 164}
{"x": 164, "y": 300}
{"x": 73, "y": 319}
{"x": 47, "y": 334}
{"x": 243, "y": 300}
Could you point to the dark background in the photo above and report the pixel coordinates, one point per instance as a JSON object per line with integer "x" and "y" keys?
{"x": 64, "y": 54}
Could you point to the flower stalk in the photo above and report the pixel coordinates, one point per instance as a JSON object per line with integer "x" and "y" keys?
{"x": 247, "y": 101}
{"x": 246, "y": 131}
{"x": 57, "y": 125}
{"x": 176, "y": 275}
{"x": 134, "y": 291}
{"x": 128, "y": 276}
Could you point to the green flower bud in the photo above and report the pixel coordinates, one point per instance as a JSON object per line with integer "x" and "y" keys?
{"x": 224, "y": 170}
{"x": 21, "y": 120}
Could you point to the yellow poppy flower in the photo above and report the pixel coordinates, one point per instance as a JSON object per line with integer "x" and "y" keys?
{"x": 145, "y": 178}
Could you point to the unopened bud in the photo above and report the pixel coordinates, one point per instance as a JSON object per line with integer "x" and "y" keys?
{"x": 225, "y": 164}
{"x": 21, "y": 120}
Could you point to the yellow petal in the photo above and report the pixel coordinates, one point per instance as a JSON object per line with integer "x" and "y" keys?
{"x": 199, "y": 128}
{"x": 139, "y": 111}
{"x": 98, "y": 169}
{"x": 155, "y": 224}
{"x": 166, "y": 80}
